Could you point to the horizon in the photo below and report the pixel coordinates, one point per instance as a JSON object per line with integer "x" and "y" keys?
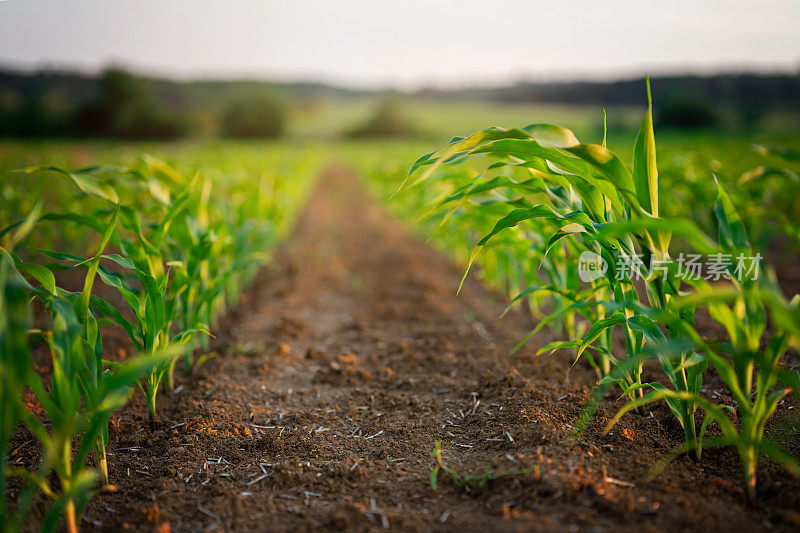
{"x": 624, "y": 75}
{"x": 389, "y": 46}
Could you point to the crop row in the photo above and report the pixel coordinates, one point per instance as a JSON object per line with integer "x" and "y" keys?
{"x": 597, "y": 250}
{"x": 161, "y": 254}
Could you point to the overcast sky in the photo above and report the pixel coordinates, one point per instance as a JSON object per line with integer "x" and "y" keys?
{"x": 407, "y": 43}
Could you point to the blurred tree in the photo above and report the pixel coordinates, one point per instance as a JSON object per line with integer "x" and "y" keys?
{"x": 35, "y": 114}
{"x": 253, "y": 117}
{"x": 127, "y": 106}
{"x": 751, "y": 115}
{"x": 32, "y": 118}
{"x": 686, "y": 112}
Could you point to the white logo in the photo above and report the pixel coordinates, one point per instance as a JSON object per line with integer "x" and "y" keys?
{"x": 591, "y": 266}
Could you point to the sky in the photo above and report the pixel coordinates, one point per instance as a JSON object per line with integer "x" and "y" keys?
{"x": 405, "y": 44}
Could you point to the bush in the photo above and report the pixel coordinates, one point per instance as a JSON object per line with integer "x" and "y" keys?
{"x": 145, "y": 122}
{"x": 252, "y": 118}
{"x": 387, "y": 121}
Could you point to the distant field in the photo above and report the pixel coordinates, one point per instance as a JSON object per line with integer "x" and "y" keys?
{"x": 439, "y": 120}
{"x": 725, "y": 154}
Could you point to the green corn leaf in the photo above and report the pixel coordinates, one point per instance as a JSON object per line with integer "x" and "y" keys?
{"x": 648, "y": 328}
{"x": 552, "y": 136}
{"x": 574, "y": 307}
{"x": 16, "y": 233}
{"x": 714, "y": 411}
{"x": 611, "y": 169}
{"x": 60, "y": 256}
{"x": 645, "y": 172}
{"x": 681, "y": 227}
{"x": 732, "y": 233}
{"x": 89, "y": 184}
{"x": 456, "y": 146}
{"x": 540, "y": 211}
{"x": 551, "y": 347}
{"x": 82, "y": 303}
{"x": 40, "y": 273}
{"x": 105, "y": 308}
{"x": 515, "y": 217}
{"x": 124, "y": 262}
{"x": 93, "y": 221}
{"x": 598, "y": 328}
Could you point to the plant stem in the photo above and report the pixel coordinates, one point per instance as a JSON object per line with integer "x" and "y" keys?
{"x": 151, "y": 407}
{"x": 749, "y": 460}
{"x": 72, "y": 523}
{"x": 102, "y": 463}
{"x": 604, "y": 358}
{"x": 171, "y": 375}
{"x": 690, "y": 434}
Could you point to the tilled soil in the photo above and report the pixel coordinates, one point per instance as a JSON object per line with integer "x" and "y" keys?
{"x": 343, "y": 365}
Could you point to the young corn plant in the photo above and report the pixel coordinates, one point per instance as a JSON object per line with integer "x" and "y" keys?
{"x": 78, "y": 418}
{"x": 479, "y": 203}
{"x": 184, "y": 242}
{"x": 200, "y": 244}
{"x": 153, "y": 306}
{"x": 149, "y": 262}
{"x": 155, "y": 303}
{"x": 749, "y": 360}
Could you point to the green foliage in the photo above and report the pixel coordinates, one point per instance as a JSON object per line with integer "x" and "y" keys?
{"x": 255, "y": 117}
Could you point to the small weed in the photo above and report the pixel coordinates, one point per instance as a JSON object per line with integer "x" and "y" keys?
{"x": 471, "y": 480}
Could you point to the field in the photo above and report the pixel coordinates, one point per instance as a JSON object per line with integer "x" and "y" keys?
{"x": 324, "y": 333}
